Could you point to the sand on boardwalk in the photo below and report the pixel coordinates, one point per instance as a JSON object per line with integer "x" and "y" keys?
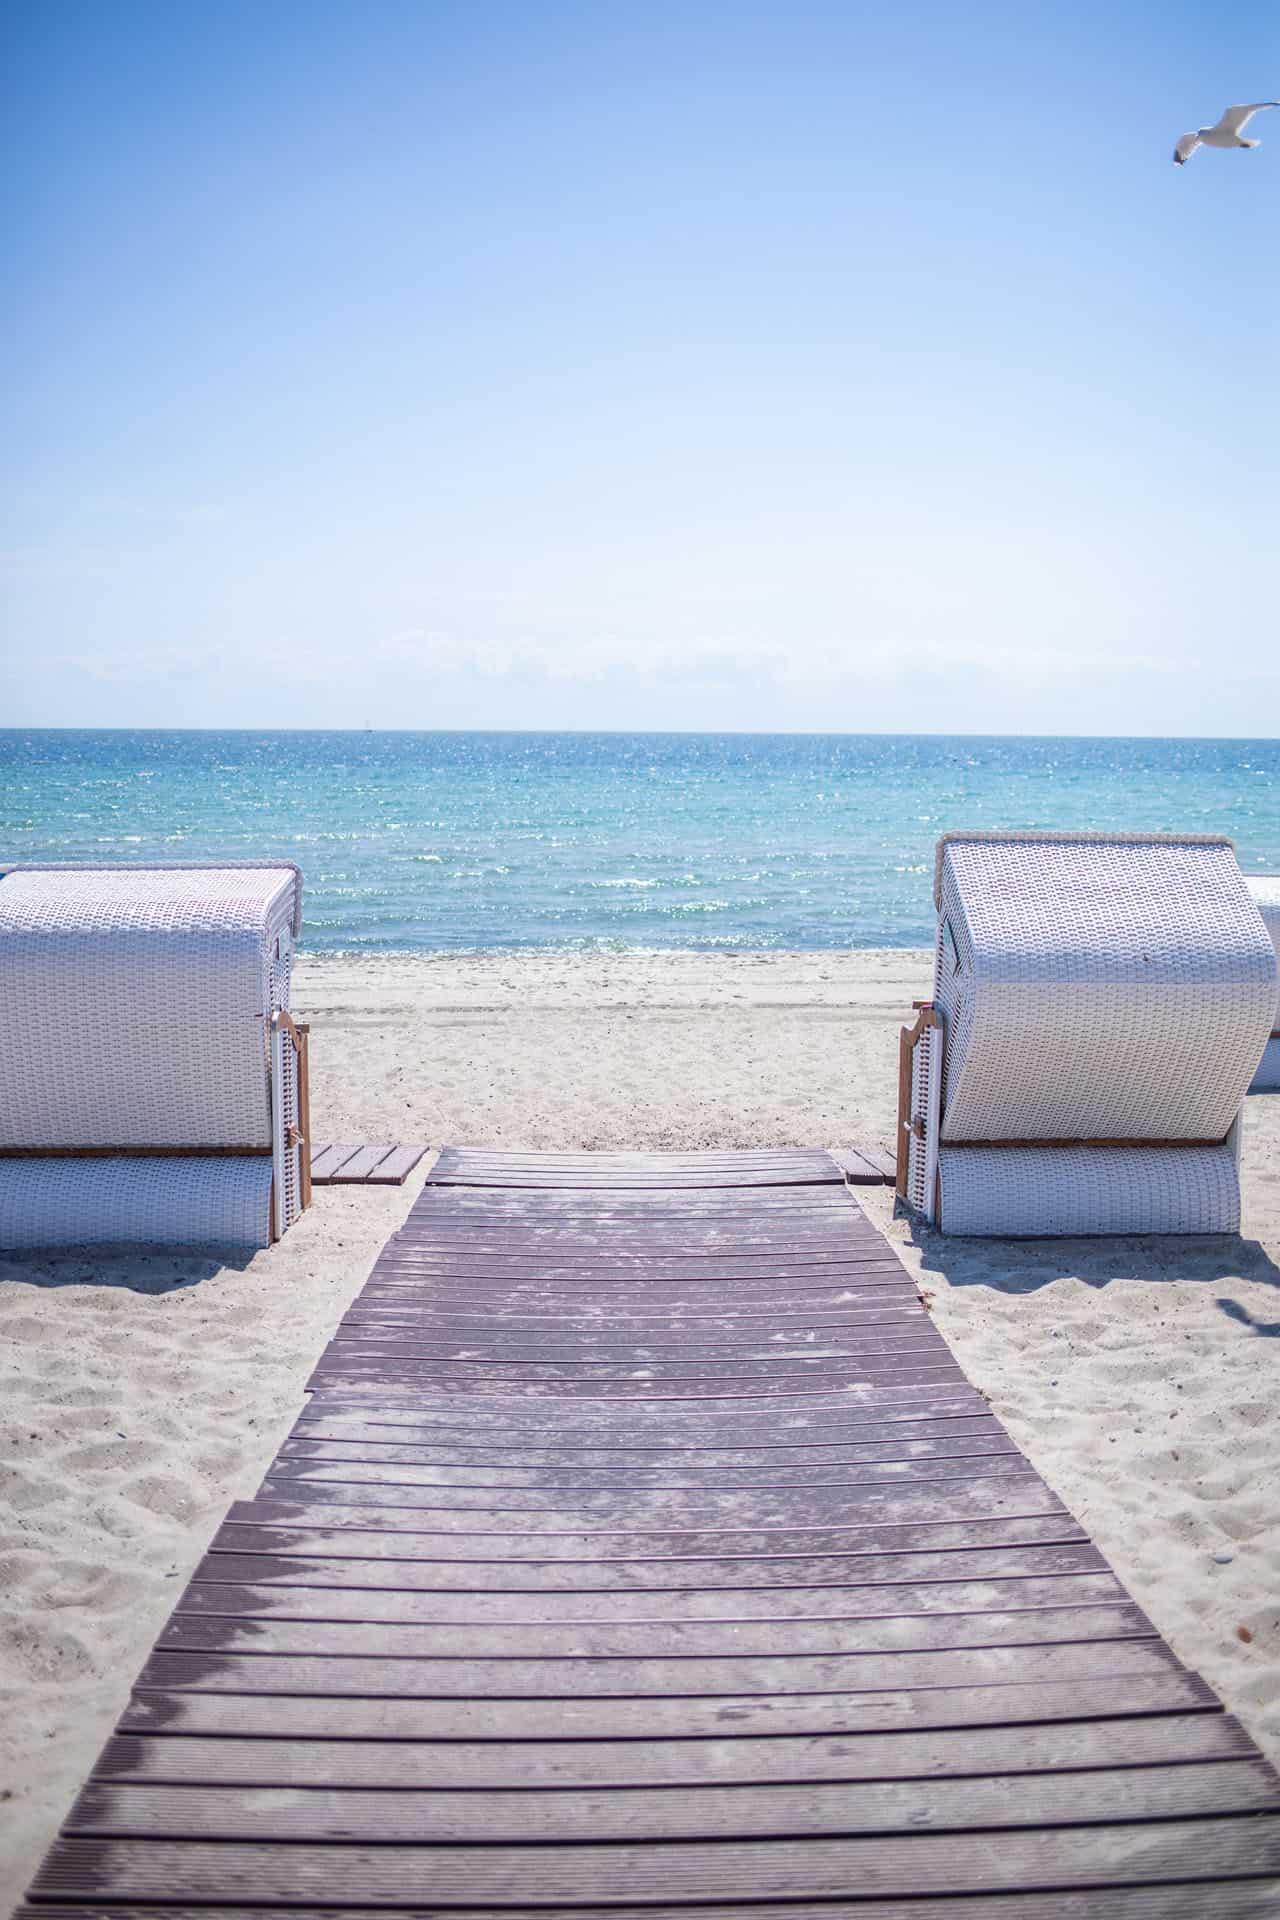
{"x": 139, "y": 1394}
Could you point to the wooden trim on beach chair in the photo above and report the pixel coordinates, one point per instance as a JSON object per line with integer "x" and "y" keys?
{"x": 299, "y": 1133}
{"x": 303, "y": 1044}
{"x": 908, "y": 1039}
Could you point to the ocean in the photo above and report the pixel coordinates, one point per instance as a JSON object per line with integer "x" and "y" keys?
{"x": 457, "y": 841}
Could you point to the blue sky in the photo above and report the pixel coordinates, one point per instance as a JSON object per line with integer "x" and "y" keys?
{"x": 708, "y": 364}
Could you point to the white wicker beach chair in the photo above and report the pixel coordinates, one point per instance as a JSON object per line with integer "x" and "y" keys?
{"x": 155, "y": 1082}
{"x": 1266, "y": 895}
{"x": 1099, "y": 1005}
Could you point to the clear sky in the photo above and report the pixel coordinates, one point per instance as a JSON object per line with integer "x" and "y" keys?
{"x": 823, "y": 364}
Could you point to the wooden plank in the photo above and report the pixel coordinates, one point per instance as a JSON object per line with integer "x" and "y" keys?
{"x": 584, "y": 1764}
{"x": 357, "y": 1169}
{"x": 326, "y": 1161}
{"x": 430, "y": 1561}
{"x": 321, "y": 1154}
{"x": 588, "y": 1182}
{"x": 394, "y": 1169}
{"x": 610, "y": 1157}
{"x": 872, "y": 1437}
{"x": 829, "y": 1415}
{"x": 390, "y": 1360}
{"x": 891, "y": 1634}
{"x": 929, "y": 1516}
{"x": 377, "y": 1165}
{"x": 1251, "y": 1899}
{"x": 698, "y": 1327}
{"x": 880, "y": 1157}
{"x": 917, "y": 1863}
{"x": 678, "y": 1394}
{"x": 861, "y": 1166}
{"x": 206, "y": 1597}
{"x": 296, "y": 1473}
{"x": 365, "y": 1716}
{"x": 938, "y": 1435}
{"x": 573, "y": 1347}
{"x": 386, "y": 1463}
{"x": 236, "y": 1561}
{"x": 871, "y": 1412}
{"x": 702, "y": 1285}
{"x": 363, "y": 1816}
{"x": 616, "y": 1265}
{"x": 868, "y": 1413}
{"x": 643, "y": 1509}
{"x": 634, "y": 1681}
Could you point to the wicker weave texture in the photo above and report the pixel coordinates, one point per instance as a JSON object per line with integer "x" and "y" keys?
{"x": 134, "y": 867}
{"x": 152, "y": 1201}
{"x": 1265, "y": 890}
{"x": 136, "y": 1004}
{"x": 1267, "y": 1077}
{"x": 1265, "y": 893}
{"x": 1095, "y": 988}
{"x": 1034, "y": 1192}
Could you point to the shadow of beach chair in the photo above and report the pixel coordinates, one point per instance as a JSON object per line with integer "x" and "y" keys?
{"x": 1100, "y": 1003}
{"x": 155, "y": 1084}
{"x": 1266, "y": 896}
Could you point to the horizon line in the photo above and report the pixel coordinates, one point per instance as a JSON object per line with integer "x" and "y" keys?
{"x": 660, "y": 733}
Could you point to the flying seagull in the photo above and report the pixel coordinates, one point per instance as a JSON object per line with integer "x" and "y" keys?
{"x": 1225, "y": 134}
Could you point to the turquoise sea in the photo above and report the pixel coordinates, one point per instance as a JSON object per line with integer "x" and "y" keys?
{"x": 477, "y": 840}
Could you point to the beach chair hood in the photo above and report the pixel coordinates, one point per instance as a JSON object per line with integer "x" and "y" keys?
{"x": 137, "y": 1003}
{"x": 1097, "y": 987}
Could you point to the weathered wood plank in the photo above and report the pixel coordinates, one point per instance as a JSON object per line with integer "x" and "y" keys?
{"x": 922, "y": 1756}
{"x": 847, "y": 1414}
{"x": 394, "y": 1169}
{"x": 1251, "y": 1899}
{"x": 357, "y": 1169}
{"x": 415, "y": 1468}
{"x": 675, "y": 1640}
{"x": 616, "y": 1523}
{"x": 379, "y": 1164}
{"x": 327, "y": 1159}
{"x": 498, "y": 1816}
{"x": 652, "y": 1581}
{"x": 755, "y": 1442}
{"x": 921, "y": 1863}
{"x": 207, "y": 1597}
{"x": 635, "y": 1509}
{"x": 366, "y": 1716}
{"x": 634, "y": 1679}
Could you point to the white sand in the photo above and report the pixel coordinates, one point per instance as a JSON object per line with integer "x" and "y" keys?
{"x": 139, "y": 1395}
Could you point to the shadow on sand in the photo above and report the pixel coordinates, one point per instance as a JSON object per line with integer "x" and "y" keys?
{"x": 132, "y": 1269}
{"x": 1024, "y": 1266}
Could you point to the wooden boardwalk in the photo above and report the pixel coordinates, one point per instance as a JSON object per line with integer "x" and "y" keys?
{"x": 643, "y": 1549}
{"x": 383, "y": 1164}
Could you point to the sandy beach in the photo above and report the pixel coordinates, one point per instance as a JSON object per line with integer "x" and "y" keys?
{"x": 139, "y": 1394}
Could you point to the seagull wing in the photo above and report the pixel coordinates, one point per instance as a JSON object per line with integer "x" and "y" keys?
{"x": 1236, "y": 118}
{"x": 1185, "y": 148}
